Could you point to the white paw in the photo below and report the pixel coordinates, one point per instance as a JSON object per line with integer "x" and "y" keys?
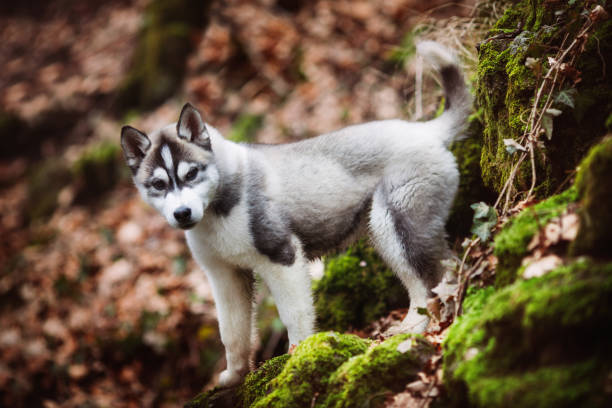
{"x": 229, "y": 378}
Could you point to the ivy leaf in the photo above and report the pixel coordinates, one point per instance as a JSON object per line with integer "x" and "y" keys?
{"x": 485, "y": 219}
{"x": 554, "y": 112}
{"x": 481, "y": 210}
{"x": 566, "y": 97}
{"x": 547, "y": 124}
{"x": 512, "y": 146}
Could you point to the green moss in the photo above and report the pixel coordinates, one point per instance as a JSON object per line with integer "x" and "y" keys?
{"x": 609, "y": 122}
{"x": 307, "y": 372}
{"x": 356, "y": 289}
{"x": 215, "y": 398}
{"x": 328, "y": 370}
{"x": 594, "y": 186}
{"x": 245, "y": 128}
{"x": 255, "y": 384}
{"x": 98, "y": 170}
{"x": 379, "y": 370}
{"x": 406, "y": 50}
{"x": 538, "y": 343}
{"x": 511, "y": 242}
{"x": 506, "y": 89}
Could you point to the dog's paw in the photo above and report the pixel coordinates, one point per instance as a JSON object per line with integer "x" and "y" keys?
{"x": 230, "y": 378}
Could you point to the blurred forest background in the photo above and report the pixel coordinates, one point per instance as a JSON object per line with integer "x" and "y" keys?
{"x": 101, "y": 304}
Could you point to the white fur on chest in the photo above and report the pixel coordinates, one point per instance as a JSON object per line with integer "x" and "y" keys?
{"x": 224, "y": 238}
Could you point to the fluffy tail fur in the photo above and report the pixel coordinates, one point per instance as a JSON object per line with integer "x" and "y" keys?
{"x": 458, "y": 101}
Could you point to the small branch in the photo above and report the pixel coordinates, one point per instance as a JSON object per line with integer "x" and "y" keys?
{"x": 462, "y": 283}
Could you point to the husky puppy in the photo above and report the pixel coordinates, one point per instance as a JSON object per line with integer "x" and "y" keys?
{"x": 268, "y": 209}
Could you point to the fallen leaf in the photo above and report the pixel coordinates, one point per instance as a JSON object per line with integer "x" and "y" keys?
{"x": 417, "y": 386}
{"x": 598, "y": 14}
{"x": 404, "y": 346}
{"x": 434, "y": 305}
{"x": 569, "y": 226}
{"x": 446, "y": 290}
{"x": 542, "y": 266}
{"x": 77, "y": 371}
{"x": 552, "y": 233}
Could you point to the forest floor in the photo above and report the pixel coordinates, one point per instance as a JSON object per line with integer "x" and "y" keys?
{"x": 101, "y": 302}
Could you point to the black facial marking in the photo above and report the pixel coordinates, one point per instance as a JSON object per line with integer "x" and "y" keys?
{"x": 176, "y": 151}
{"x": 270, "y": 233}
{"x": 227, "y": 196}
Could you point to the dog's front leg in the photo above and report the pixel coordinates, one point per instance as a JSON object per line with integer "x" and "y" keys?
{"x": 290, "y": 287}
{"x": 232, "y": 290}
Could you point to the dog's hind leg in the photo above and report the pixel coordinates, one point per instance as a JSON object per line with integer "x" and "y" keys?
{"x": 409, "y": 235}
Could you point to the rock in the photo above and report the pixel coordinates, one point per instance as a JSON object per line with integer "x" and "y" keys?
{"x": 356, "y": 289}
{"x": 542, "y": 342}
{"x": 97, "y": 171}
{"x": 327, "y": 370}
{"x": 507, "y": 84}
{"x": 511, "y": 243}
{"x": 594, "y": 183}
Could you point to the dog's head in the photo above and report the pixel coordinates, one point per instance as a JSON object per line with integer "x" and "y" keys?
{"x": 174, "y": 168}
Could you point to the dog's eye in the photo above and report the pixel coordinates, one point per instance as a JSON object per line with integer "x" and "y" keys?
{"x": 159, "y": 184}
{"x": 191, "y": 174}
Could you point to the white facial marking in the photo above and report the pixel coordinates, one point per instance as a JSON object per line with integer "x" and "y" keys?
{"x": 183, "y": 168}
{"x": 167, "y": 157}
{"x": 161, "y": 174}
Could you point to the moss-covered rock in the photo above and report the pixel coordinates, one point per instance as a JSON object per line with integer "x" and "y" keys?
{"x": 158, "y": 64}
{"x": 307, "y": 372}
{"x": 538, "y": 343}
{"x": 98, "y": 170}
{"x": 255, "y": 386}
{"x": 328, "y": 370}
{"x": 510, "y": 244}
{"x": 594, "y": 184}
{"x": 387, "y": 367}
{"x": 356, "y": 289}
{"x": 506, "y": 90}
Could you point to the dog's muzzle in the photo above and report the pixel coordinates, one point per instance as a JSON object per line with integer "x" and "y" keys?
{"x": 183, "y": 216}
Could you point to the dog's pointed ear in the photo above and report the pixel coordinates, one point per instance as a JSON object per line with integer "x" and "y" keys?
{"x": 135, "y": 145}
{"x": 191, "y": 127}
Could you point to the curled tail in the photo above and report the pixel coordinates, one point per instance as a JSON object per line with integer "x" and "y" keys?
{"x": 458, "y": 101}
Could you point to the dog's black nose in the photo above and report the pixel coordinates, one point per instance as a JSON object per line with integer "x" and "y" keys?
{"x": 182, "y": 214}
